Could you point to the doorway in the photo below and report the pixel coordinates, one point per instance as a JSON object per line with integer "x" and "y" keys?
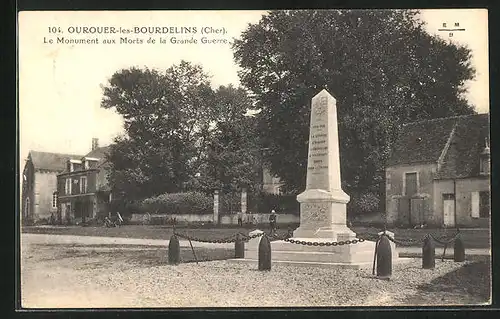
{"x": 449, "y": 210}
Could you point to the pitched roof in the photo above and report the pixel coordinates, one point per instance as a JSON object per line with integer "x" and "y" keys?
{"x": 51, "y": 161}
{"x": 421, "y": 142}
{"x": 99, "y": 152}
{"x": 424, "y": 142}
{"x": 467, "y": 143}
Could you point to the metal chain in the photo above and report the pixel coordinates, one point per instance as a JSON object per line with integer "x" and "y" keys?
{"x": 334, "y": 243}
{"x": 446, "y": 242}
{"x": 368, "y": 236}
{"x": 226, "y": 240}
{"x": 288, "y": 238}
{"x": 408, "y": 242}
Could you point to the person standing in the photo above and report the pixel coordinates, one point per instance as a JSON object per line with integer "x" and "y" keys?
{"x": 240, "y": 219}
{"x": 272, "y": 220}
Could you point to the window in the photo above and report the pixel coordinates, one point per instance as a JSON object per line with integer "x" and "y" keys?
{"x": 67, "y": 189}
{"x": 484, "y": 204}
{"x": 411, "y": 184}
{"x": 54, "y": 200}
{"x": 484, "y": 165}
{"x": 83, "y": 184}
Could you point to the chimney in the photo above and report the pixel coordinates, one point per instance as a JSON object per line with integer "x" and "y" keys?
{"x": 95, "y": 143}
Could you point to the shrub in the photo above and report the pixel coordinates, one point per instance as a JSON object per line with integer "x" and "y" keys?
{"x": 179, "y": 203}
{"x": 364, "y": 203}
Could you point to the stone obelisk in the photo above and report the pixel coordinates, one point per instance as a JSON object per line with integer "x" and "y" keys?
{"x": 323, "y": 203}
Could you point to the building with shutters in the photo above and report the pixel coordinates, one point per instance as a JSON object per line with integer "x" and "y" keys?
{"x": 83, "y": 189}
{"x": 270, "y": 184}
{"x": 439, "y": 173}
{"x": 39, "y": 185}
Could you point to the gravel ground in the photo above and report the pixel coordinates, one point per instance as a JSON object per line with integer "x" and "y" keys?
{"x": 62, "y": 276}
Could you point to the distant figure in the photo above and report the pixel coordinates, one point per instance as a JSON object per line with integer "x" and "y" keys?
{"x": 119, "y": 221}
{"x": 240, "y": 219}
{"x": 272, "y": 220}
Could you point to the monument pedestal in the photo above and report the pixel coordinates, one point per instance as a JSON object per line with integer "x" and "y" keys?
{"x": 323, "y": 215}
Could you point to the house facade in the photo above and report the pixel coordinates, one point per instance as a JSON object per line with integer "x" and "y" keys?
{"x": 439, "y": 173}
{"x": 270, "y": 184}
{"x": 83, "y": 190}
{"x": 39, "y": 185}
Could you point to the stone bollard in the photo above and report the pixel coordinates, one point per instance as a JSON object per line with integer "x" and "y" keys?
{"x": 428, "y": 253}
{"x": 458, "y": 249}
{"x": 239, "y": 247}
{"x": 174, "y": 251}
{"x": 384, "y": 258}
{"x": 264, "y": 253}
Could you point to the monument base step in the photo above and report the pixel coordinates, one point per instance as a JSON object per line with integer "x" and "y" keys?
{"x": 349, "y": 254}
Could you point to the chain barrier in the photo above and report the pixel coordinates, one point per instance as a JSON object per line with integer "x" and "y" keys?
{"x": 225, "y": 240}
{"x": 445, "y": 242}
{"x": 333, "y": 243}
{"x": 406, "y": 242}
{"x": 288, "y": 238}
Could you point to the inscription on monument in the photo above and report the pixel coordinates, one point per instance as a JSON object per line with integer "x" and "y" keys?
{"x": 318, "y": 142}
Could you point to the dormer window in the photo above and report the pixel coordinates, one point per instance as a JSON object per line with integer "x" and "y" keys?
{"x": 75, "y": 165}
{"x": 91, "y": 162}
{"x": 484, "y": 161}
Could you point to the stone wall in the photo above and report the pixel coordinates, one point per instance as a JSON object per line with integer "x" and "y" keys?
{"x": 463, "y": 197}
{"x": 398, "y": 204}
{"x": 224, "y": 219}
{"x": 45, "y": 186}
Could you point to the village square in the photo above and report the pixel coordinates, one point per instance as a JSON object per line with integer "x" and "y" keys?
{"x": 346, "y": 169}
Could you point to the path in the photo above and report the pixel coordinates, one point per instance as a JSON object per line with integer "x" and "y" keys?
{"x": 94, "y": 240}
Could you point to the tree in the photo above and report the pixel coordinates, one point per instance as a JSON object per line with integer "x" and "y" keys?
{"x": 381, "y": 66}
{"x": 173, "y": 120}
{"x": 233, "y": 154}
{"x": 167, "y": 121}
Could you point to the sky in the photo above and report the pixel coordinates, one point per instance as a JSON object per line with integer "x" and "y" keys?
{"x": 60, "y": 84}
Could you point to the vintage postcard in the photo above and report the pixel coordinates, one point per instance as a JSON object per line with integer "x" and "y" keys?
{"x": 282, "y": 158}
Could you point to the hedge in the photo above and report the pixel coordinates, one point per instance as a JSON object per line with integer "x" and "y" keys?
{"x": 364, "y": 203}
{"x": 179, "y": 203}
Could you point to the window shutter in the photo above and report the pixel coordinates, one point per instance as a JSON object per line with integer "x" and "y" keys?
{"x": 474, "y": 201}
